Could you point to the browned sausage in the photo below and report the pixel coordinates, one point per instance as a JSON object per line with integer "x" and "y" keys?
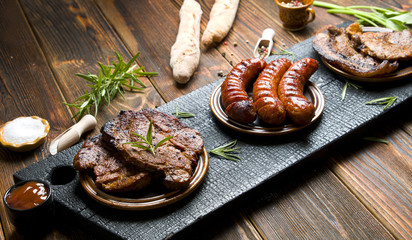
{"x": 298, "y": 108}
{"x": 235, "y": 100}
{"x": 265, "y": 92}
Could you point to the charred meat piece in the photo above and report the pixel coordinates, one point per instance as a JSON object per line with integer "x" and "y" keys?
{"x": 391, "y": 46}
{"x": 111, "y": 172}
{"x": 175, "y": 159}
{"x": 337, "y": 49}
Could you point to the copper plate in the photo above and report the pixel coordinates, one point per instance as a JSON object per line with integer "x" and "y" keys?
{"x": 401, "y": 73}
{"x": 146, "y": 201}
{"x": 312, "y": 92}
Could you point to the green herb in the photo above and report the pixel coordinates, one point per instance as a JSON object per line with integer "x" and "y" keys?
{"x": 376, "y": 16}
{"x": 182, "y": 114}
{"x": 387, "y": 101}
{"x": 111, "y": 80}
{"x": 373, "y": 139}
{"x": 348, "y": 84}
{"x": 148, "y": 140}
{"x": 227, "y": 151}
{"x": 284, "y": 52}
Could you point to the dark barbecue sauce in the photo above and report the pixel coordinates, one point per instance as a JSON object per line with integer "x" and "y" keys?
{"x": 27, "y": 196}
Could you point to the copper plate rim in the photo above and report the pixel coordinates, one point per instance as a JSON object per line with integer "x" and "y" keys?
{"x": 315, "y": 95}
{"x": 397, "y": 75}
{"x": 146, "y": 203}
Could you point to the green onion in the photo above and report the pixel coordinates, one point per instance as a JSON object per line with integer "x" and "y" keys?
{"x": 376, "y": 16}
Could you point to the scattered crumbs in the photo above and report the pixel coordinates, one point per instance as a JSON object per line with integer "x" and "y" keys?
{"x": 223, "y": 54}
{"x": 11, "y": 57}
{"x": 225, "y": 43}
{"x": 235, "y": 44}
{"x": 247, "y": 41}
{"x": 231, "y": 63}
{"x": 231, "y": 54}
{"x": 220, "y": 73}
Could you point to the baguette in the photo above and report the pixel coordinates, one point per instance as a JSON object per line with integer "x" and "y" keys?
{"x": 185, "y": 53}
{"x": 221, "y": 19}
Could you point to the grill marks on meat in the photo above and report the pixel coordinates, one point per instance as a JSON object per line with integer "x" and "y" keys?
{"x": 175, "y": 159}
{"x": 111, "y": 172}
{"x": 391, "y": 46}
{"x": 337, "y": 48}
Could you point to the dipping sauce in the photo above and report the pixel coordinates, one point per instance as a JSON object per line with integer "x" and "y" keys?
{"x": 27, "y": 196}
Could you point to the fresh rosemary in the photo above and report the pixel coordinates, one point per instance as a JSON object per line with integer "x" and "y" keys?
{"x": 182, "y": 114}
{"x": 110, "y": 81}
{"x": 227, "y": 151}
{"x": 387, "y": 101}
{"x": 284, "y": 52}
{"x": 348, "y": 84}
{"x": 148, "y": 140}
{"x": 373, "y": 139}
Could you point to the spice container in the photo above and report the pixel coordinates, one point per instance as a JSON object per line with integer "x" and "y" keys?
{"x": 29, "y": 205}
{"x": 24, "y": 133}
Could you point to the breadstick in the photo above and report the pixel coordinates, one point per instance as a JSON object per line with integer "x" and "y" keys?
{"x": 221, "y": 19}
{"x": 185, "y": 53}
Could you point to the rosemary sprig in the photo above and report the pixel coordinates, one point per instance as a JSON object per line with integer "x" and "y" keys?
{"x": 348, "y": 84}
{"x": 148, "y": 140}
{"x": 182, "y": 114}
{"x": 110, "y": 81}
{"x": 374, "y": 139}
{"x": 387, "y": 101}
{"x": 284, "y": 52}
{"x": 227, "y": 151}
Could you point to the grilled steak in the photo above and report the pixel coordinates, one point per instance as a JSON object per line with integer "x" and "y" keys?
{"x": 391, "y": 46}
{"x": 175, "y": 159}
{"x": 111, "y": 172}
{"x": 337, "y": 49}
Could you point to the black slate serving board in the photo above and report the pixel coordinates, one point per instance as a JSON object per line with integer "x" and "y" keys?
{"x": 262, "y": 157}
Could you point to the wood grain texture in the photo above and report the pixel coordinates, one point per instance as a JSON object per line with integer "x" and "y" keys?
{"x": 226, "y": 224}
{"x": 27, "y": 88}
{"x": 380, "y": 175}
{"x": 309, "y": 202}
{"x": 160, "y": 30}
{"x": 75, "y": 36}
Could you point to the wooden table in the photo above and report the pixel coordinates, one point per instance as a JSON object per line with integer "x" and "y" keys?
{"x": 362, "y": 190}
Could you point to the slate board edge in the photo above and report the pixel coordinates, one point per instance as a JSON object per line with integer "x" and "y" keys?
{"x": 19, "y": 177}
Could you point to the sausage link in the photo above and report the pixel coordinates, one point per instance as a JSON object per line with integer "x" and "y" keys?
{"x": 298, "y": 108}
{"x": 235, "y": 100}
{"x": 265, "y": 92}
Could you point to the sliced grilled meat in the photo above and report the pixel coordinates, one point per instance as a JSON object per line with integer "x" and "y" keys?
{"x": 175, "y": 158}
{"x": 111, "y": 172}
{"x": 336, "y": 48}
{"x": 391, "y": 46}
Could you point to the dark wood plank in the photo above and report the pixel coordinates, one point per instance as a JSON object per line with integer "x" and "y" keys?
{"x": 309, "y": 202}
{"x": 75, "y": 36}
{"x": 380, "y": 176}
{"x": 27, "y": 88}
{"x": 160, "y": 25}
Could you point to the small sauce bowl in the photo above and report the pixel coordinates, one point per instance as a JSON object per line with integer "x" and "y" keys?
{"x": 29, "y": 205}
{"x": 25, "y": 146}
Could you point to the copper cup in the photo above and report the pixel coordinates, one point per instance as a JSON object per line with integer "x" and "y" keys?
{"x": 295, "y": 18}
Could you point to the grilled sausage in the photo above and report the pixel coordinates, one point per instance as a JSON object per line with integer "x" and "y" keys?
{"x": 235, "y": 100}
{"x": 298, "y": 108}
{"x": 265, "y": 92}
